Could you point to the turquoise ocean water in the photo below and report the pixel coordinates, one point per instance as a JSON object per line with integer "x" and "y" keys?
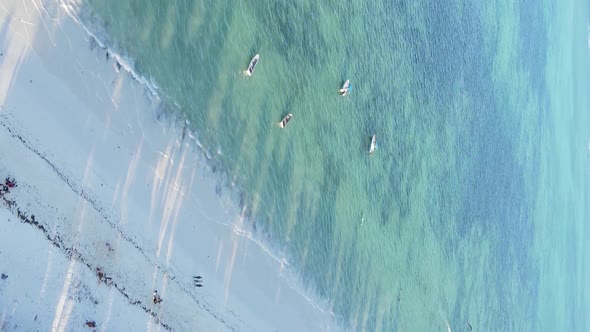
{"x": 474, "y": 207}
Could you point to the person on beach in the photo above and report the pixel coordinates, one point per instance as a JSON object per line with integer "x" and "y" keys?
{"x": 198, "y": 281}
{"x": 99, "y": 273}
{"x": 103, "y": 276}
{"x": 156, "y": 297}
{"x": 10, "y": 183}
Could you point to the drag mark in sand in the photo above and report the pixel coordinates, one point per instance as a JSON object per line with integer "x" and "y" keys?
{"x": 12, "y": 18}
{"x": 43, "y": 21}
{"x": 72, "y": 253}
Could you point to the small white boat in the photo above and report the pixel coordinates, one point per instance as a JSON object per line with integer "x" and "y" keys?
{"x": 345, "y": 87}
{"x": 285, "y": 120}
{"x": 252, "y": 65}
{"x": 373, "y": 145}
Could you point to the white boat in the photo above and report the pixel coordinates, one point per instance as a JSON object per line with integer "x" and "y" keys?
{"x": 344, "y": 89}
{"x": 252, "y": 65}
{"x": 285, "y": 120}
{"x": 373, "y": 145}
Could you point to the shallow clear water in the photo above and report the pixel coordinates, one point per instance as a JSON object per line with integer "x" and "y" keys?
{"x": 473, "y": 208}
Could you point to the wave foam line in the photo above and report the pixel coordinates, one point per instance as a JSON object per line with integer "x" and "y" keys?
{"x": 74, "y": 9}
{"x": 287, "y": 273}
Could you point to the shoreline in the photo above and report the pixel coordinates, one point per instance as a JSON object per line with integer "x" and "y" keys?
{"x": 95, "y": 167}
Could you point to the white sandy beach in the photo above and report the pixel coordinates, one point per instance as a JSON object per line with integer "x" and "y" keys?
{"x": 93, "y": 166}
